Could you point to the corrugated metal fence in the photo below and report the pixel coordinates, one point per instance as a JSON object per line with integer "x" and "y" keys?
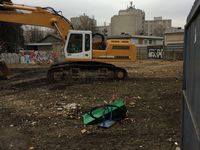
{"x": 191, "y": 82}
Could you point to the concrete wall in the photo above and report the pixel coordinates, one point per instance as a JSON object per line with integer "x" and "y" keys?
{"x": 32, "y": 57}
{"x": 142, "y": 52}
{"x": 174, "y": 38}
{"x": 173, "y": 45}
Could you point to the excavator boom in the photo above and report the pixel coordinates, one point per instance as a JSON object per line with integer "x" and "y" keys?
{"x": 37, "y": 16}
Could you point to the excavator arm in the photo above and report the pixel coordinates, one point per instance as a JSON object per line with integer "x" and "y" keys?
{"x": 37, "y": 16}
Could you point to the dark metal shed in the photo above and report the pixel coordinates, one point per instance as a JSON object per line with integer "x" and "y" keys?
{"x": 191, "y": 82}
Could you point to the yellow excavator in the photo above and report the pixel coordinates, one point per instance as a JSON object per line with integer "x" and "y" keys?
{"x": 84, "y": 58}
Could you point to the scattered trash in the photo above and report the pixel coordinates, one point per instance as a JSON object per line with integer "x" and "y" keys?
{"x": 70, "y": 110}
{"x": 106, "y": 115}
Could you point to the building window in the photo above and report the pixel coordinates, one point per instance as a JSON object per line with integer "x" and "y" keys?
{"x": 145, "y": 41}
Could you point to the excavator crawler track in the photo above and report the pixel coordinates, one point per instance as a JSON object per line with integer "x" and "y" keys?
{"x": 85, "y": 71}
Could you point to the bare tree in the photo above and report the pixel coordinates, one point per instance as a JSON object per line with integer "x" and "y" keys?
{"x": 11, "y": 34}
{"x": 35, "y": 34}
{"x": 159, "y": 30}
{"x": 84, "y": 22}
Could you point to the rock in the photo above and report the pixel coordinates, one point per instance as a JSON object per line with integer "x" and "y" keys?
{"x": 59, "y": 109}
{"x": 132, "y": 104}
{"x": 176, "y": 143}
{"x": 11, "y": 125}
{"x": 31, "y": 148}
{"x": 35, "y": 113}
{"x": 83, "y": 131}
{"x": 169, "y": 139}
{"x": 33, "y": 123}
{"x": 178, "y": 148}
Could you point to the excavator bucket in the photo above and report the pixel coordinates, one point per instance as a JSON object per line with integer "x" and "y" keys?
{"x": 4, "y": 71}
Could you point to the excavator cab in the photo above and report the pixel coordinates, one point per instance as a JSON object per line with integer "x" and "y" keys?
{"x": 78, "y": 45}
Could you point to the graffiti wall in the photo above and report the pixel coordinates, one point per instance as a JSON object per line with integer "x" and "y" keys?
{"x": 32, "y": 57}
{"x": 155, "y": 52}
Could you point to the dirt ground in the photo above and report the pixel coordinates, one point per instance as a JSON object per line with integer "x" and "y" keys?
{"x": 34, "y": 116}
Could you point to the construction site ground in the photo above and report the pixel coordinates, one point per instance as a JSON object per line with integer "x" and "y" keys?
{"x": 34, "y": 114}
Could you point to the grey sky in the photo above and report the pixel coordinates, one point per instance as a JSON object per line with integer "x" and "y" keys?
{"x": 103, "y": 10}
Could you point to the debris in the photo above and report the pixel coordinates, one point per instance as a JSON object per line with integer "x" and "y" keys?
{"x": 35, "y": 113}
{"x": 70, "y": 110}
{"x": 176, "y": 143}
{"x": 106, "y": 115}
{"x": 59, "y": 109}
{"x": 11, "y": 125}
{"x": 132, "y": 104}
{"x": 107, "y": 123}
{"x": 169, "y": 139}
{"x": 33, "y": 123}
{"x": 71, "y": 106}
{"x": 113, "y": 97}
{"x": 31, "y": 148}
{"x": 83, "y": 131}
{"x": 178, "y": 148}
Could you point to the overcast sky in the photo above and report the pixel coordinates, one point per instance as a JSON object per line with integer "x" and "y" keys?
{"x": 103, "y": 10}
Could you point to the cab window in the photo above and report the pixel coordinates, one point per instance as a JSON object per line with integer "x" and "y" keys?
{"x": 75, "y": 43}
{"x": 87, "y": 42}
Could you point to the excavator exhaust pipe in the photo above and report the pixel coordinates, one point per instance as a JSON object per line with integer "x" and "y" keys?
{"x": 4, "y": 71}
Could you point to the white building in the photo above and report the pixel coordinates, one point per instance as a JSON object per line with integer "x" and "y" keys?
{"x": 129, "y": 21}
